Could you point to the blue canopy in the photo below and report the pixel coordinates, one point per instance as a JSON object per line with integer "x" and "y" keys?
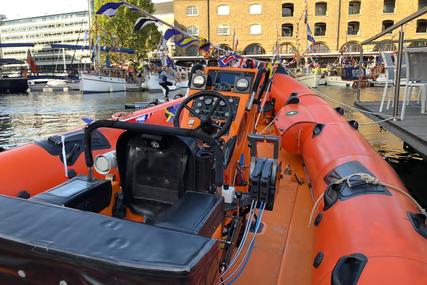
{"x": 4, "y": 45}
{"x": 103, "y": 48}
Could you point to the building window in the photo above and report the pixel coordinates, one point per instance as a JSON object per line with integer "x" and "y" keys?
{"x": 319, "y": 29}
{"x": 354, "y": 8}
{"x": 255, "y": 29}
{"x": 223, "y": 10}
{"x": 287, "y": 48}
{"x": 321, "y": 9}
{"x": 193, "y": 30}
{"x": 353, "y": 28}
{"x": 319, "y": 48}
{"x": 287, "y": 10}
{"x": 422, "y": 26}
{"x": 389, "y": 6}
{"x": 422, "y": 4}
{"x": 351, "y": 47}
{"x": 254, "y": 49}
{"x": 387, "y": 24}
{"x": 223, "y": 30}
{"x": 192, "y": 10}
{"x": 255, "y": 9}
{"x": 287, "y": 30}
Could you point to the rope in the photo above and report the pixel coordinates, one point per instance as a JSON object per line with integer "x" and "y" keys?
{"x": 376, "y": 122}
{"x": 369, "y": 179}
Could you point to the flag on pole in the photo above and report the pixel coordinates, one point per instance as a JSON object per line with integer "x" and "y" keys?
{"x": 235, "y": 40}
{"x": 310, "y": 35}
{"x": 169, "y": 33}
{"x": 110, "y": 9}
{"x": 32, "y": 63}
{"x": 142, "y": 22}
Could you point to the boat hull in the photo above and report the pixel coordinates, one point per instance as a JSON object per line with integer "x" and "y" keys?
{"x": 13, "y": 85}
{"x": 93, "y": 83}
{"x": 370, "y": 227}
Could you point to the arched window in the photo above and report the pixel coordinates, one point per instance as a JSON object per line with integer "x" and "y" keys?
{"x": 255, "y": 9}
{"x": 287, "y": 10}
{"x": 353, "y": 28}
{"x": 224, "y": 47}
{"x": 321, "y": 8}
{"x": 387, "y": 24}
{"x": 192, "y": 50}
{"x": 255, "y": 29}
{"x": 386, "y": 45}
{"x": 354, "y": 8}
{"x": 253, "y": 49}
{"x": 287, "y": 30}
{"x": 319, "y": 29}
{"x": 319, "y": 48}
{"x": 194, "y": 30}
{"x": 422, "y": 4}
{"x": 192, "y": 10}
{"x": 223, "y": 10}
{"x": 351, "y": 46}
{"x": 287, "y": 48}
{"x": 421, "y": 26}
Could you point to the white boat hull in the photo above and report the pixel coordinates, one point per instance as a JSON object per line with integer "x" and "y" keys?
{"x": 151, "y": 84}
{"x": 337, "y": 81}
{"x": 311, "y": 80}
{"x": 94, "y": 83}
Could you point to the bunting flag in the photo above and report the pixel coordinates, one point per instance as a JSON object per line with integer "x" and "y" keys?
{"x": 227, "y": 59}
{"x": 310, "y": 35}
{"x": 170, "y": 113}
{"x": 110, "y": 9}
{"x": 184, "y": 41}
{"x": 142, "y": 22}
{"x": 169, "y": 33}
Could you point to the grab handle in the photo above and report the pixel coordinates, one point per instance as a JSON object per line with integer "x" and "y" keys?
{"x": 348, "y": 269}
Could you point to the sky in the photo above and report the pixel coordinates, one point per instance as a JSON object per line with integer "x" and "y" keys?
{"x": 14, "y": 9}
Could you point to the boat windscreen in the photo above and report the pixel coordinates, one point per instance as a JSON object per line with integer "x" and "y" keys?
{"x": 229, "y": 77}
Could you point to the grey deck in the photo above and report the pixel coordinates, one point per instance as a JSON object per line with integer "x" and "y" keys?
{"x": 412, "y": 130}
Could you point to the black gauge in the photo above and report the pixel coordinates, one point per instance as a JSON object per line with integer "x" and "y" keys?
{"x": 222, "y": 103}
{"x": 208, "y": 101}
{"x": 199, "y": 105}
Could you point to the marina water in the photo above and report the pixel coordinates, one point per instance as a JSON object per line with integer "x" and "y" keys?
{"x": 26, "y": 118}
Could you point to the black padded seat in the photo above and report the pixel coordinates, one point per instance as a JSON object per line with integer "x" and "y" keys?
{"x": 154, "y": 171}
{"x": 51, "y": 243}
{"x": 196, "y": 213}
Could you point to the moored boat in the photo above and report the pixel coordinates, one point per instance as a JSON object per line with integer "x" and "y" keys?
{"x": 103, "y": 81}
{"x": 149, "y": 196}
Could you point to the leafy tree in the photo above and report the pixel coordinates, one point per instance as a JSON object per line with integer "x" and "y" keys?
{"x": 117, "y": 31}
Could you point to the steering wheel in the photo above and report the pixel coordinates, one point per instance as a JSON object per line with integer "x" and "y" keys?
{"x": 207, "y": 124}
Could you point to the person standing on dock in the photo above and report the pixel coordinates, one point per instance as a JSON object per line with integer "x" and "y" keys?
{"x": 163, "y": 82}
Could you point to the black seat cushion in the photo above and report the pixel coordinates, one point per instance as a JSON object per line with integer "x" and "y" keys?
{"x": 197, "y": 213}
{"x": 154, "y": 171}
{"x": 52, "y": 243}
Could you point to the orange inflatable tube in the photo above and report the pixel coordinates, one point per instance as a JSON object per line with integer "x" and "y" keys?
{"x": 364, "y": 233}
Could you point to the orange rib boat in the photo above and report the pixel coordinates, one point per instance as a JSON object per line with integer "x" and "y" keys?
{"x": 250, "y": 179}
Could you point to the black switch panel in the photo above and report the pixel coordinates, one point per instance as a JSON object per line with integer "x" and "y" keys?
{"x": 203, "y": 105}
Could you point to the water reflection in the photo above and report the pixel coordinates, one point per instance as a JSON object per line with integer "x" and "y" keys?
{"x": 25, "y": 118}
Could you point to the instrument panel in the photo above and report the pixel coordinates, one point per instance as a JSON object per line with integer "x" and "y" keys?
{"x": 203, "y": 105}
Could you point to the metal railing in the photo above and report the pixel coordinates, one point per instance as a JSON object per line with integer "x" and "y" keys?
{"x": 400, "y": 25}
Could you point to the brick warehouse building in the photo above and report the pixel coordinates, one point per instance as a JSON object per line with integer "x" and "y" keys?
{"x": 336, "y": 24}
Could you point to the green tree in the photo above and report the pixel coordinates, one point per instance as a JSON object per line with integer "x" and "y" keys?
{"x": 117, "y": 31}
